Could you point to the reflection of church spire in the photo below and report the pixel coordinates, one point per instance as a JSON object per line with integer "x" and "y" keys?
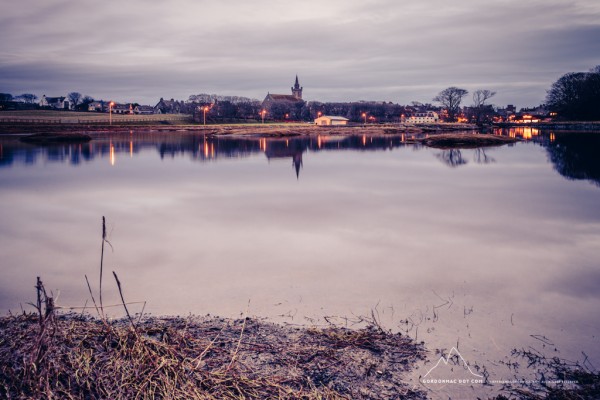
{"x": 297, "y": 162}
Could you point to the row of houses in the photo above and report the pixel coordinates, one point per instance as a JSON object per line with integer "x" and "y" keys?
{"x": 117, "y": 108}
{"x": 63, "y": 103}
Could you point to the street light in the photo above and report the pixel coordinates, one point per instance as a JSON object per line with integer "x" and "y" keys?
{"x": 205, "y": 109}
{"x": 319, "y": 114}
{"x": 364, "y": 115}
{"x": 262, "y": 113}
{"x": 110, "y": 106}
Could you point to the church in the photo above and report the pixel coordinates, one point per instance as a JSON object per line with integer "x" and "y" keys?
{"x": 284, "y": 106}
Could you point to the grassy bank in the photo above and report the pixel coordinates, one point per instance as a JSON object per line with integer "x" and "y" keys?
{"x": 72, "y": 356}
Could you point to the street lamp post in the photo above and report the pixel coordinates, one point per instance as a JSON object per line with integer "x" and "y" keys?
{"x": 262, "y": 113}
{"x": 205, "y": 109}
{"x": 364, "y": 115}
{"x": 110, "y": 106}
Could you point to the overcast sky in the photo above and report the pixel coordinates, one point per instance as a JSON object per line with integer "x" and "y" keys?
{"x": 384, "y": 50}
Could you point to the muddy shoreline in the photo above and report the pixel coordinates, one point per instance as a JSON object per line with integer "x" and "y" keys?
{"x": 251, "y": 129}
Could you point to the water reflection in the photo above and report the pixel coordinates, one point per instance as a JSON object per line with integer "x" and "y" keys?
{"x": 452, "y": 158}
{"x": 573, "y": 154}
{"x": 198, "y": 147}
{"x": 485, "y": 254}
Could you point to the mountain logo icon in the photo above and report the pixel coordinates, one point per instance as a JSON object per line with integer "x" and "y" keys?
{"x": 445, "y": 360}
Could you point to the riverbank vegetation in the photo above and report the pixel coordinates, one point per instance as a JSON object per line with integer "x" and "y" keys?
{"x": 76, "y": 356}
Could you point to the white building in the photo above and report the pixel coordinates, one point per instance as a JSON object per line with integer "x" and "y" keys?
{"x": 429, "y": 117}
{"x": 331, "y": 120}
{"x": 143, "y": 110}
{"x": 59, "y": 103}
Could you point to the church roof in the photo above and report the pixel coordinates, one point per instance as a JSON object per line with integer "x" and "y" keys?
{"x": 283, "y": 97}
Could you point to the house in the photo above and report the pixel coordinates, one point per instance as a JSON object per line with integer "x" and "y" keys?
{"x": 58, "y": 103}
{"x": 281, "y": 106}
{"x": 143, "y": 110}
{"x": 429, "y": 117}
{"x": 122, "y": 109}
{"x": 331, "y": 120}
{"x": 169, "y": 106}
{"x": 98, "y": 106}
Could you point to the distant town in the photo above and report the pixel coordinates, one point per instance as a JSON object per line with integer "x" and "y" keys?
{"x": 575, "y": 96}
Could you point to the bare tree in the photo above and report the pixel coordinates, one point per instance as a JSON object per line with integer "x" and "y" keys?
{"x": 75, "y": 98}
{"x": 450, "y": 99}
{"x": 481, "y": 96}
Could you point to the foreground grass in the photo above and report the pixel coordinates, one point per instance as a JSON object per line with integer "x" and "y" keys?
{"x": 79, "y": 357}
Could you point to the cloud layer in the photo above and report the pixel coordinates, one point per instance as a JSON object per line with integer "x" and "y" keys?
{"x": 342, "y": 51}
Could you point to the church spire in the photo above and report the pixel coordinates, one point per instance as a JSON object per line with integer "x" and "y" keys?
{"x": 297, "y": 89}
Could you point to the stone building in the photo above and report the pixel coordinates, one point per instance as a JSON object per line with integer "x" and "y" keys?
{"x": 284, "y": 106}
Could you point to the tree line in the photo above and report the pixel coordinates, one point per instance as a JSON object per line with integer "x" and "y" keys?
{"x": 574, "y": 96}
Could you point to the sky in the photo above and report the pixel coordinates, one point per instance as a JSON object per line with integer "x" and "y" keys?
{"x": 378, "y": 50}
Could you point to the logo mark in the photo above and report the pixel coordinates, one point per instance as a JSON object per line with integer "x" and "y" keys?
{"x": 446, "y": 360}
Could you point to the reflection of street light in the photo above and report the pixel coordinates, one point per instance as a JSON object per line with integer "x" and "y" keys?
{"x": 364, "y": 115}
{"x": 110, "y": 106}
{"x": 262, "y": 113}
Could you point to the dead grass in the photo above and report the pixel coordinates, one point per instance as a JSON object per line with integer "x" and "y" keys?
{"x": 199, "y": 358}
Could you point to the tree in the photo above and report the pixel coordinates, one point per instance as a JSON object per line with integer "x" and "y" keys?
{"x": 84, "y": 105}
{"x": 6, "y": 97}
{"x": 75, "y": 98}
{"x": 480, "y": 96}
{"x": 451, "y": 98}
{"x": 576, "y": 95}
{"x": 28, "y": 98}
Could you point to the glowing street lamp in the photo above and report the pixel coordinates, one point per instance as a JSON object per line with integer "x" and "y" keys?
{"x": 319, "y": 114}
{"x": 262, "y": 113}
{"x": 364, "y": 115}
{"x": 110, "y": 106}
{"x": 205, "y": 109}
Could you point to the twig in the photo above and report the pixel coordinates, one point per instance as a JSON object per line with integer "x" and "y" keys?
{"x": 123, "y": 300}
{"x": 141, "y": 313}
{"x": 102, "y": 259}
{"x": 92, "y": 295}
{"x": 108, "y": 306}
{"x": 237, "y": 348}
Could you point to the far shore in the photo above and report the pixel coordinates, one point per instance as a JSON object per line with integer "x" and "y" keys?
{"x": 268, "y": 129}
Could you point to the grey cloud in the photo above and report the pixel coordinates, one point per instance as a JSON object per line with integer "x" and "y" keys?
{"x": 342, "y": 50}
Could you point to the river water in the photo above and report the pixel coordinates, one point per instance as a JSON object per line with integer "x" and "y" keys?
{"x": 482, "y": 250}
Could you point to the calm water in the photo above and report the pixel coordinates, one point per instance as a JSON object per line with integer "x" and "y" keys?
{"x": 475, "y": 248}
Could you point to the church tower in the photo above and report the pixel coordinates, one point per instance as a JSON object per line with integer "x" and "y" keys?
{"x": 297, "y": 90}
